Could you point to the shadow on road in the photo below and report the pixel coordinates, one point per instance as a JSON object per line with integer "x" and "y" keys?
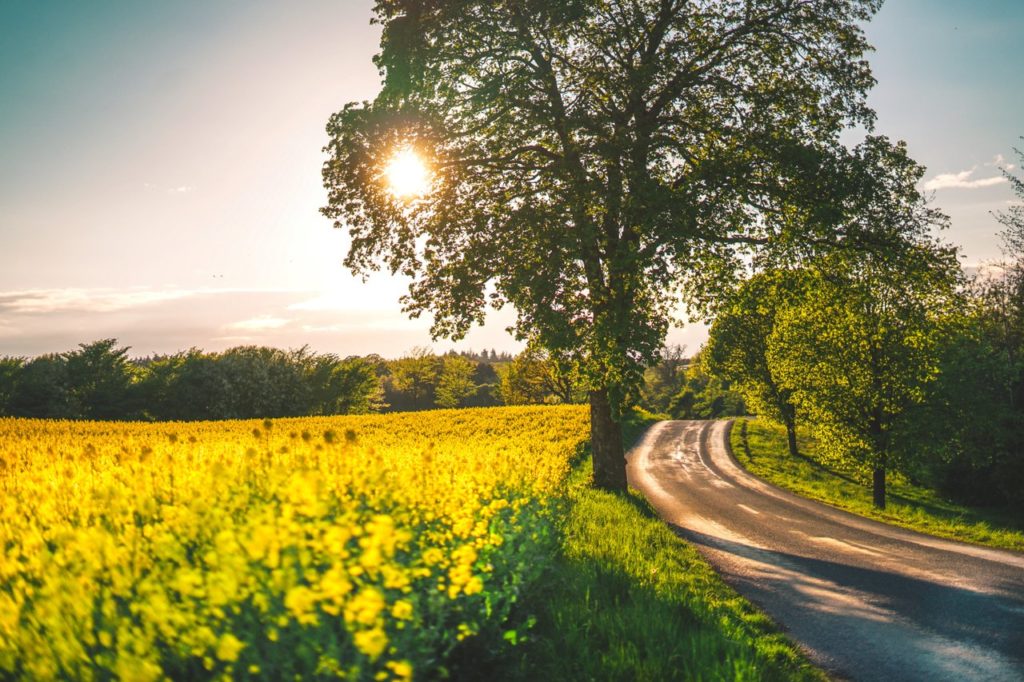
{"x": 953, "y": 612}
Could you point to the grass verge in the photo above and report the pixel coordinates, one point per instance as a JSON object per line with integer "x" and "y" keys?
{"x": 761, "y": 448}
{"x": 626, "y": 599}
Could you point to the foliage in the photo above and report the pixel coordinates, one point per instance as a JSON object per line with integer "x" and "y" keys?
{"x": 858, "y": 350}
{"x": 592, "y": 162}
{"x": 349, "y": 386}
{"x": 761, "y": 448}
{"x": 40, "y": 389}
{"x": 455, "y": 385}
{"x": 737, "y": 346}
{"x": 971, "y": 427}
{"x": 965, "y": 429}
{"x": 99, "y": 381}
{"x": 487, "y": 381}
{"x": 414, "y": 379}
{"x": 665, "y": 379}
{"x": 10, "y": 372}
{"x": 535, "y": 377}
{"x": 705, "y": 396}
{"x": 263, "y": 382}
{"x": 250, "y": 382}
{"x": 100, "y": 378}
{"x": 366, "y": 547}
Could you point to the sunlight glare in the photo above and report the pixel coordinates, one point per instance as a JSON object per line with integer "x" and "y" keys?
{"x": 407, "y": 175}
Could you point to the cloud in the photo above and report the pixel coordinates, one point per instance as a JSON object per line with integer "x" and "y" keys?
{"x": 962, "y": 180}
{"x": 261, "y": 323}
{"x": 45, "y": 301}
{"x": 178, "y": 189}
{"x": 149, "y": 320}
{"x": 357, "y": 322}
{"x": 168, "y": 320}
{"x": 384, "y": 295}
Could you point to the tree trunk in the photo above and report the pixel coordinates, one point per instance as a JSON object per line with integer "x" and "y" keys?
{"x": 878, "y": 487}
{"x": 606, "y": 444}
{"x": 791, "y": 437}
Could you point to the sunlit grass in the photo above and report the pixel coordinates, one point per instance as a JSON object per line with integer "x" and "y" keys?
{"x": 761, "y": 448}
{"x": 627, "y": 599}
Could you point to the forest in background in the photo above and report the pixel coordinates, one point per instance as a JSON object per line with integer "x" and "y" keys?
{"x": 100, "y": 380}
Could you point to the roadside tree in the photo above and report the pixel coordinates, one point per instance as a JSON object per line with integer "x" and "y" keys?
{"x": 591, "y": 163}
{"x": 737, "y": 346}
{"x": 858, "y": 350}
{"x": 665, "y": 379}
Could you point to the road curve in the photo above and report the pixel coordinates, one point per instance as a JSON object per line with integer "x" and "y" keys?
{"x": 867, "y": 601}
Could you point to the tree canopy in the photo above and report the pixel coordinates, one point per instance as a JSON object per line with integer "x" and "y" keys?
{"x": 595, "y": 163}
{"x": 858, "y": 349}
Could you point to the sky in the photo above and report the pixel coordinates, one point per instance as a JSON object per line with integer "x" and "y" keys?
{"x": 160, "y": 166}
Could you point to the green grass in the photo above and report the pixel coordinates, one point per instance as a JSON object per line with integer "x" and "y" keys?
{"x": 626, "y": 599}
{"x": 761, "y": 448}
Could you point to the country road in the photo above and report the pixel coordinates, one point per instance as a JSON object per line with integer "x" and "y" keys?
{"x": 867, "y": 601}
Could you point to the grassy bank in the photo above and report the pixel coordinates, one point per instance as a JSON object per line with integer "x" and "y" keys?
{"x": 761, "y": 448}
{"x": 626, "y": 599}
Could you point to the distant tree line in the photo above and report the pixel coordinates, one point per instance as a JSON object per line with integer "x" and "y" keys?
{"x": 680, "y": 387}
{"x": 99, "y": 380}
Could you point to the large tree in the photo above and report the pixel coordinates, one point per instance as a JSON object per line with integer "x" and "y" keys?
{"x": 592, "y": 162}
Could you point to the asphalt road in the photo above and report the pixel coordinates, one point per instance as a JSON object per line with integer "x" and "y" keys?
{"x": 867, "y": 601}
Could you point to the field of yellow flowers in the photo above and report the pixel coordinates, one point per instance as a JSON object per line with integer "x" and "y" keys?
{"x": 358, "y": 547}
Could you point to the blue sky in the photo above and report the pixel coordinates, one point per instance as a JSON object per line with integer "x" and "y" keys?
{"x": 160, "y": 172}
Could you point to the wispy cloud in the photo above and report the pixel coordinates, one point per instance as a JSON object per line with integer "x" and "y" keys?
{"x": 1000, "y": 162}
{"x": 334, "y": 301}
{"x": 261, "y": 323}
{"x": 178, "y": 189}
{"x": 962, "y": 180}
{"x": 362, "y": 322}
{"x": 966, "y": 180}
{"x": 43, "y": 301}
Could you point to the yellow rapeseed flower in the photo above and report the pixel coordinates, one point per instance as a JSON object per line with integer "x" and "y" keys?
{"x": 371, "y": 642}
{"x": 229, "y": 647}
{"x": 173, "y": 535}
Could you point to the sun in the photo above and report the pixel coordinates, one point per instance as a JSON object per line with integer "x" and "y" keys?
{"x": 407, "y": 175}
